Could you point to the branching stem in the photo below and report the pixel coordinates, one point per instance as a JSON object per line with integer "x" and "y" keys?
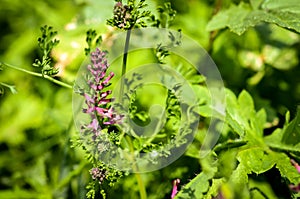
{"x": 38, "y": 75}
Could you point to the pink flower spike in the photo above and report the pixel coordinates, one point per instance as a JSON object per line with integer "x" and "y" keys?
{"x": 296, "y": 165}
{"x": 88, "y": 98}
{"x": 175, "y": 186}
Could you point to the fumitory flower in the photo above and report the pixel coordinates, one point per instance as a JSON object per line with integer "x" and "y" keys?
{"x": 129, "y": 16}
{"x": 296, "y": 165}
{"x": 175, "y": 188}
{"x": 98, "y": 174}
{"x": 96, "y": 98}
{"x": 121, "y": 14}
{"x": 295, "y": 188}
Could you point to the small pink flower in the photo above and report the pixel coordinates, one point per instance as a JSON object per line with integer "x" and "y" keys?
{"x": 111, "y": 75}
{"x": 88, "y": 98}
{"x": 175, "y": 188}
{"x": 296, "y": 165}
{"x": 295, "y": 188}
{"x": 94, "y": 125}
{"x": 292, "y": 187}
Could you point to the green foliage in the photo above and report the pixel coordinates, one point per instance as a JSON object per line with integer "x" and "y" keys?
{"x": 252, "y": 150}
{"x": 259, "y": 65}
{"x": 202, "y": 186}
{"x": 291, "y": 134}
{"x": 166, "y": 15}
{"x": 239, "y": 18}
{"x": 46, "y": 44}
{"x": 162, "y": 51}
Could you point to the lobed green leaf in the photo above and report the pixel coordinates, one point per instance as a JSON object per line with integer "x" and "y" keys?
{"x": 239, "y": 18}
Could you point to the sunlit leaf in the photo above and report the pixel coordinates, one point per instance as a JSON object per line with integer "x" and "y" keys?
{"x": 239, "y": 18}
{"x": 256, "y": 160}
{"x": 239, "y": 176}
{"x": 214, "y": 188}
{"x": 291, "y": 133}
{"x": 287, "y": 170}
{"x": 195, "y": 188}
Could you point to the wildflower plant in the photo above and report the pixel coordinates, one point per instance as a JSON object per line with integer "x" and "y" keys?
{"x": 112, "y": 135}
{"x": 123, "y": 136}
{"x": 96, "y": 134}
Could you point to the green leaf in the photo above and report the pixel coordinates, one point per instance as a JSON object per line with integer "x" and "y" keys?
{"x": 236, "y": 127}
{"x": 256, "y": 160}
{"x": 233, "y": 18}
{"x": 284, "y": 19}
{"x": 286, "y": 5}
{"x": 239, "y": 18}
{"x": 246, "y": 106}
{"x": 287, "y": 118}
{"x": 199, "y": 185}
{"x": 287, "y": 170}
{"x": 260, "y": 188}
{"x": 258, "y": 122}
{"x": 239, "y": 176}
{"x": 242, "y": 117}
{"x": 274, "y": 141}
{"x": 195, "y": 188}
{"x": 215, "y": 188}
{"x": 233, "y": 117}
{"x": 256, "y": 3}
{"x": 291, "y": 133}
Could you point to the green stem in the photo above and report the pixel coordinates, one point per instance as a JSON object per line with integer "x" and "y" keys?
{"x": 124, "y": 63}
{"x": 11, "y": 88}
{"x": 141, "y": 185}
{"x": 213, "y": 34}
{"x": 142, "y": 190}
{"x": 38, "y": 75}
{"x": 140, "y": 182}
{"x": 6, "y": 85}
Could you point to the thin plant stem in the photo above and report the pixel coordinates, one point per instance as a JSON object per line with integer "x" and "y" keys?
{"x": 141, "y": 185}
{"x": 140, "y": 182}
{"x": 142, "y": 190}
{"x": 38, "y": 75}
{"x": 213, "y": 34}
{"x": 6, "y": 85}
{"x": 124, "y": 64}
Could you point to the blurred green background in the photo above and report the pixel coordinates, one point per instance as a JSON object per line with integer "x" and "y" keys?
{"x": 36, "y": 124}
